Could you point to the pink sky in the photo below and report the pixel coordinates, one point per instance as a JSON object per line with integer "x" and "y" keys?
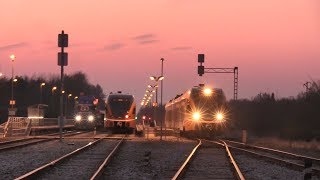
{"x": 119, "y": 43}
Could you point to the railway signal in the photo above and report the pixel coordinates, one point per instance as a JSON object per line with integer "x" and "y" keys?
{"x": 62, "y": 61}
{"x": 202, "y": 70}
{"x": 201, "y": 67}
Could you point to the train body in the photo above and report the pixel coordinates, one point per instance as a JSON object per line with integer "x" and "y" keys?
{"x": 87, "y": 115}
{"x": 120, "y": 113}
{"x": 198, "y": 111}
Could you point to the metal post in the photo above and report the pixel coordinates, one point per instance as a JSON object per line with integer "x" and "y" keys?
{"x": 12, "y": 84}
{"x": 61, "y": 97}
{"x": 66, "y": 106}
{"x": 161, "y": 119}
{"x": 62, "y": 61}
{"x": 40, "y": 93}
{"x": 235, "y": 80}
{"x": 61, "y": 102}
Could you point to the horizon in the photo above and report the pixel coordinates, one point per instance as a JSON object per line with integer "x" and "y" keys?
{"x": 274, "y": 44}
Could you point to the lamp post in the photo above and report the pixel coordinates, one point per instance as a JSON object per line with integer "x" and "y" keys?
{"x": 157, "y": 79}
{"x": 161, "y": 119}
{"x": 54, "y": 88}
{"x": 12, "y": 57}
{"x": 161, "y": 81}
{"x": 66, "y": 110}
{"x": 41, "y": 85}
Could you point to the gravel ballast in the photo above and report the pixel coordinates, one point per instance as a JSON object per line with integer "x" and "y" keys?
{"x": 257, "y": 168}
{"x": 17, "y": 162}
{"x": 148, "y": 159}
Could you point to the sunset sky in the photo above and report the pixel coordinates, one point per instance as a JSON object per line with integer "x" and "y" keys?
{"x": 119, "y": 43}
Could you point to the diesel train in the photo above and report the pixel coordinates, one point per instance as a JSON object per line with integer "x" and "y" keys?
{"x": 200, "y": 111}
{"x": 87, "y": 114}
{"x": 120, "y": 113}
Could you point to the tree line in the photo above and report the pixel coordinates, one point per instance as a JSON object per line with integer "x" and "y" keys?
{"x": 29, "y": 91}
{"x": 290, "y": 118}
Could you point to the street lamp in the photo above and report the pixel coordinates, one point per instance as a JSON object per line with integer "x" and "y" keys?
{"x": 66, "y": 110}
{"x": 12, "y": 57}
{"x": 54, "y": 88}
{"x": 41, "y": 85}
{"x": 157, "y": 79}
{"x": 154, "y": 78}
{"x": 162, "y": 59}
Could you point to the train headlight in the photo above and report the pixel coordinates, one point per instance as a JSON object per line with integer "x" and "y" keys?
{"x": 127, "y": 116}
{"x": 219, "y": 116}
{"x": 78, "y": 118}
{"x": 196, "y": 116}
{"x": 207, "y": 92}
{"x": 90, "y": 118}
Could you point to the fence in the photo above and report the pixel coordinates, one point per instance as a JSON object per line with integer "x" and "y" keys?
{"x": 25, "y": 124}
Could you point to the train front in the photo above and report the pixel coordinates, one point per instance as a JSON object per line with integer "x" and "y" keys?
{"x": 87, "y": 116}
{"x": 207, "y": 109}
{"x": 120, "y": 113}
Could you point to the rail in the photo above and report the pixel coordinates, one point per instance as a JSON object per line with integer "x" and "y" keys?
{"x": 233, "y": 162}
{"x": 186, "y": 162}
{"x": 98, "y": 173}
{"x": 297, "y": 156}
{"x": 296, "y": 166}
{"x": 34, "y": 173}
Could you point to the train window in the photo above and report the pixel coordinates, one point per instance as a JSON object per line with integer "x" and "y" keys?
{"x": 119, "y": 107}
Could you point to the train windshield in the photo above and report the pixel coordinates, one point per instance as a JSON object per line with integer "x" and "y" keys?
{"x": 120, "y": 106}
{"x": 215, "y": 99}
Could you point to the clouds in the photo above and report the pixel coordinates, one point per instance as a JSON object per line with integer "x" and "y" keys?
{"x": 147, "y": 38}
{"x": 148, "y": 41}
{"x": 114, "y": 46}
{"x": 13, "y": 46}
{"x": 181, "y": 48}
{"x": 144, "y": 37}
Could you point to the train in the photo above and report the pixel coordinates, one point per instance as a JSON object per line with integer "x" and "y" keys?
{"x": 200, "y": 111}
{"x": 120, "y": 113}
{"x": 87, "y": 115}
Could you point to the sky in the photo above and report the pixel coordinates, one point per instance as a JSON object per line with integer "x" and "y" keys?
{"x": 119, "y": 43}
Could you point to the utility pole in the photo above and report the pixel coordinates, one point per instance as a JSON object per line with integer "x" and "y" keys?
{"x": 62, "y": 61}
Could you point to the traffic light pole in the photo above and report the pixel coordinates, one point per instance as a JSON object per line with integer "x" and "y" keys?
{"x": 61, "y": 119}
{"x": 202, "y": 70}
{"x": 62, "y": 61}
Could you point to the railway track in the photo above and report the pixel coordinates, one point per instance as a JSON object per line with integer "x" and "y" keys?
{"x": 289, "y": 160}
{"x": 8, "y": 145}
{"x": 86, "y": 162}
{"x": 209, "y": 160}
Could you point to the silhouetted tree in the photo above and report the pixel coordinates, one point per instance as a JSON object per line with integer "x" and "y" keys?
{"x": 27, "y": 92}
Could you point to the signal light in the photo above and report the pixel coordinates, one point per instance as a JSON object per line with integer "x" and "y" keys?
{"x": 200, "y": 70}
